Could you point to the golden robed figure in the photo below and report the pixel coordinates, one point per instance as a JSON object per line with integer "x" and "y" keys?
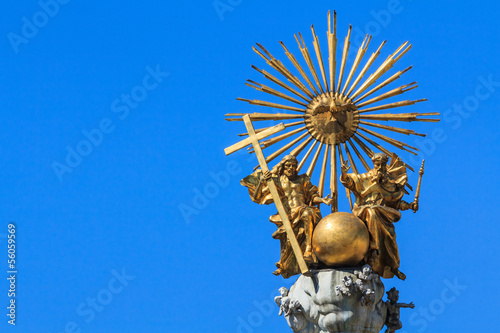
{"x": 379, "y": 194}
{"x": 299, "y": 198}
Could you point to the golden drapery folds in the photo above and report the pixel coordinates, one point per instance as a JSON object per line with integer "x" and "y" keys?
{"x": 302, "y": 215}
{"x": 378, "y": 204}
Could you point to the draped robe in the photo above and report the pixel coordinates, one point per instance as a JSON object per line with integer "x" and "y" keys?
{"x": 378, "y": 205}
{"x": 301, "y": 216}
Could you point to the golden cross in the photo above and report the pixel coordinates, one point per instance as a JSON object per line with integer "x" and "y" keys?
{"x": 254, "y": 140}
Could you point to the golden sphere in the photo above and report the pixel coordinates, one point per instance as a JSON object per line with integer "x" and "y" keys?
{"x": 340, "y": 239}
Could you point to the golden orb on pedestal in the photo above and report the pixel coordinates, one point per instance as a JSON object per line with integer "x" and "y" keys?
{"x": 340, "y": 239}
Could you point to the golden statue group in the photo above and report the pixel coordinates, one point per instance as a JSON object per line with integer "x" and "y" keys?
{"x": 337, "y": 113}
{"x": 378, "y": 193}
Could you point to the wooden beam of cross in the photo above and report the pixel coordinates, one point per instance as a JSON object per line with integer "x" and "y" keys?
{"x": 254, "y": 140}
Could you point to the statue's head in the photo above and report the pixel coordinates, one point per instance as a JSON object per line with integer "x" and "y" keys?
{"x": 393, "y": 295}
{"x": 283, "y": 291}
{"x": 367, "y": 269}
{"x": 369, "y": 294}
{"x": 380, "y": 161}
{"x": 348, "y": 281}
{"x": 288, "y": 166}
{"x": 379, "y": 167}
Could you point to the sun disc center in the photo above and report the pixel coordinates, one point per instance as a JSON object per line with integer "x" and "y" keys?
{"x": 331, "y": 119}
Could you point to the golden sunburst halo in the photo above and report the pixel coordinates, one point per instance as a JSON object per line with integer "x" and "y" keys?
{"x": 339, "y": 117}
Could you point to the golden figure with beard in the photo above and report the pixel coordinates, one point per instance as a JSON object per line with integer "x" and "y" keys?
{"x": 298, "y": 195}
{"x": 378, "y": 203}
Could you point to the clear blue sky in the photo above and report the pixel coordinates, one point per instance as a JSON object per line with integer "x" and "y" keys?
{"x": 140, "y": 89}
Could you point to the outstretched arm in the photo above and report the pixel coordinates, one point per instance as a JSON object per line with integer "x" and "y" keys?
{"x": 404, "y": 305}
{"x": 326, "y": 200}
{"x": 257, "y": 188}
{"x": 344, "y": 177}
{"x": 263, "y": 181}
{"x": 403, "y": 205}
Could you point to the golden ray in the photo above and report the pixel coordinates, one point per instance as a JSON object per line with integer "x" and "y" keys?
{"x": 271, "y": 105}
{"x": 364, "y": 147}
{"x": 388, "y": 63}
{"x": 382, "y": 149}
{"x": 333, "y": 179}
{"x": 315, "y": 159}
{"x": 272, "y": 141}
{"x": 392, "y": 93}
{"x": 283, "y": 149}
{"x": 298, "y": 67}
{"x": 277, "y": 65}
{"x": 347, "y": 43}
{"x": 263, "y": 116}
{"x": 257, "y": 131}
{"x": 304, "y": 159}
{"x": 395, "y": 143}
{"x": 351, "y": 160}
{"x": 391, "y": 128}
{"x": 366, "y": 67}
{"x": 356, "y": 88}
{"x": 369, "y": 152}
{"x": 280, "y": 83}
{"x": 332, "y": 48}
{"x": 248, "y": 141}
{"x": 392, "y": 105}
{"x": 361, "y": 158}
{"x": 376, "y": 145}
{"x": 402, "y": 53}
{"x": 261, "y": 55}
{"x": 342, "y": 161}
{"x": 301, "y": 147}
{"x": 323, "y": 172}
{"x": 271, "y": 91}
{"x": 373, "y": 143}
{"x": 359, "y": 56}
{"x": 383, "y": 84}
{"x": 409, "y": 117}
{"x": 307, "y": 58}
{"x": 317, "y": 49}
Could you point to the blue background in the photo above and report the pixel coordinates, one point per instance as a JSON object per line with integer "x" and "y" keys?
{"x": 121, "y": 206}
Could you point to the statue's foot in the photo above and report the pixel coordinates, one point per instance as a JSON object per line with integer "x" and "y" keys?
{"x": 371, "y": 258}
{"x": 399, "y": 274}
{"x": 277, "y": 272}
{"x": 308, "y": 258}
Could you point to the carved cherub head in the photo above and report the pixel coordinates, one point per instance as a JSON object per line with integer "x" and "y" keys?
{"x": 368, "y": 297}
{"x": 283, "y": 291}
{"x": 367, "y": 270}
{"x": 348, "y": 281}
